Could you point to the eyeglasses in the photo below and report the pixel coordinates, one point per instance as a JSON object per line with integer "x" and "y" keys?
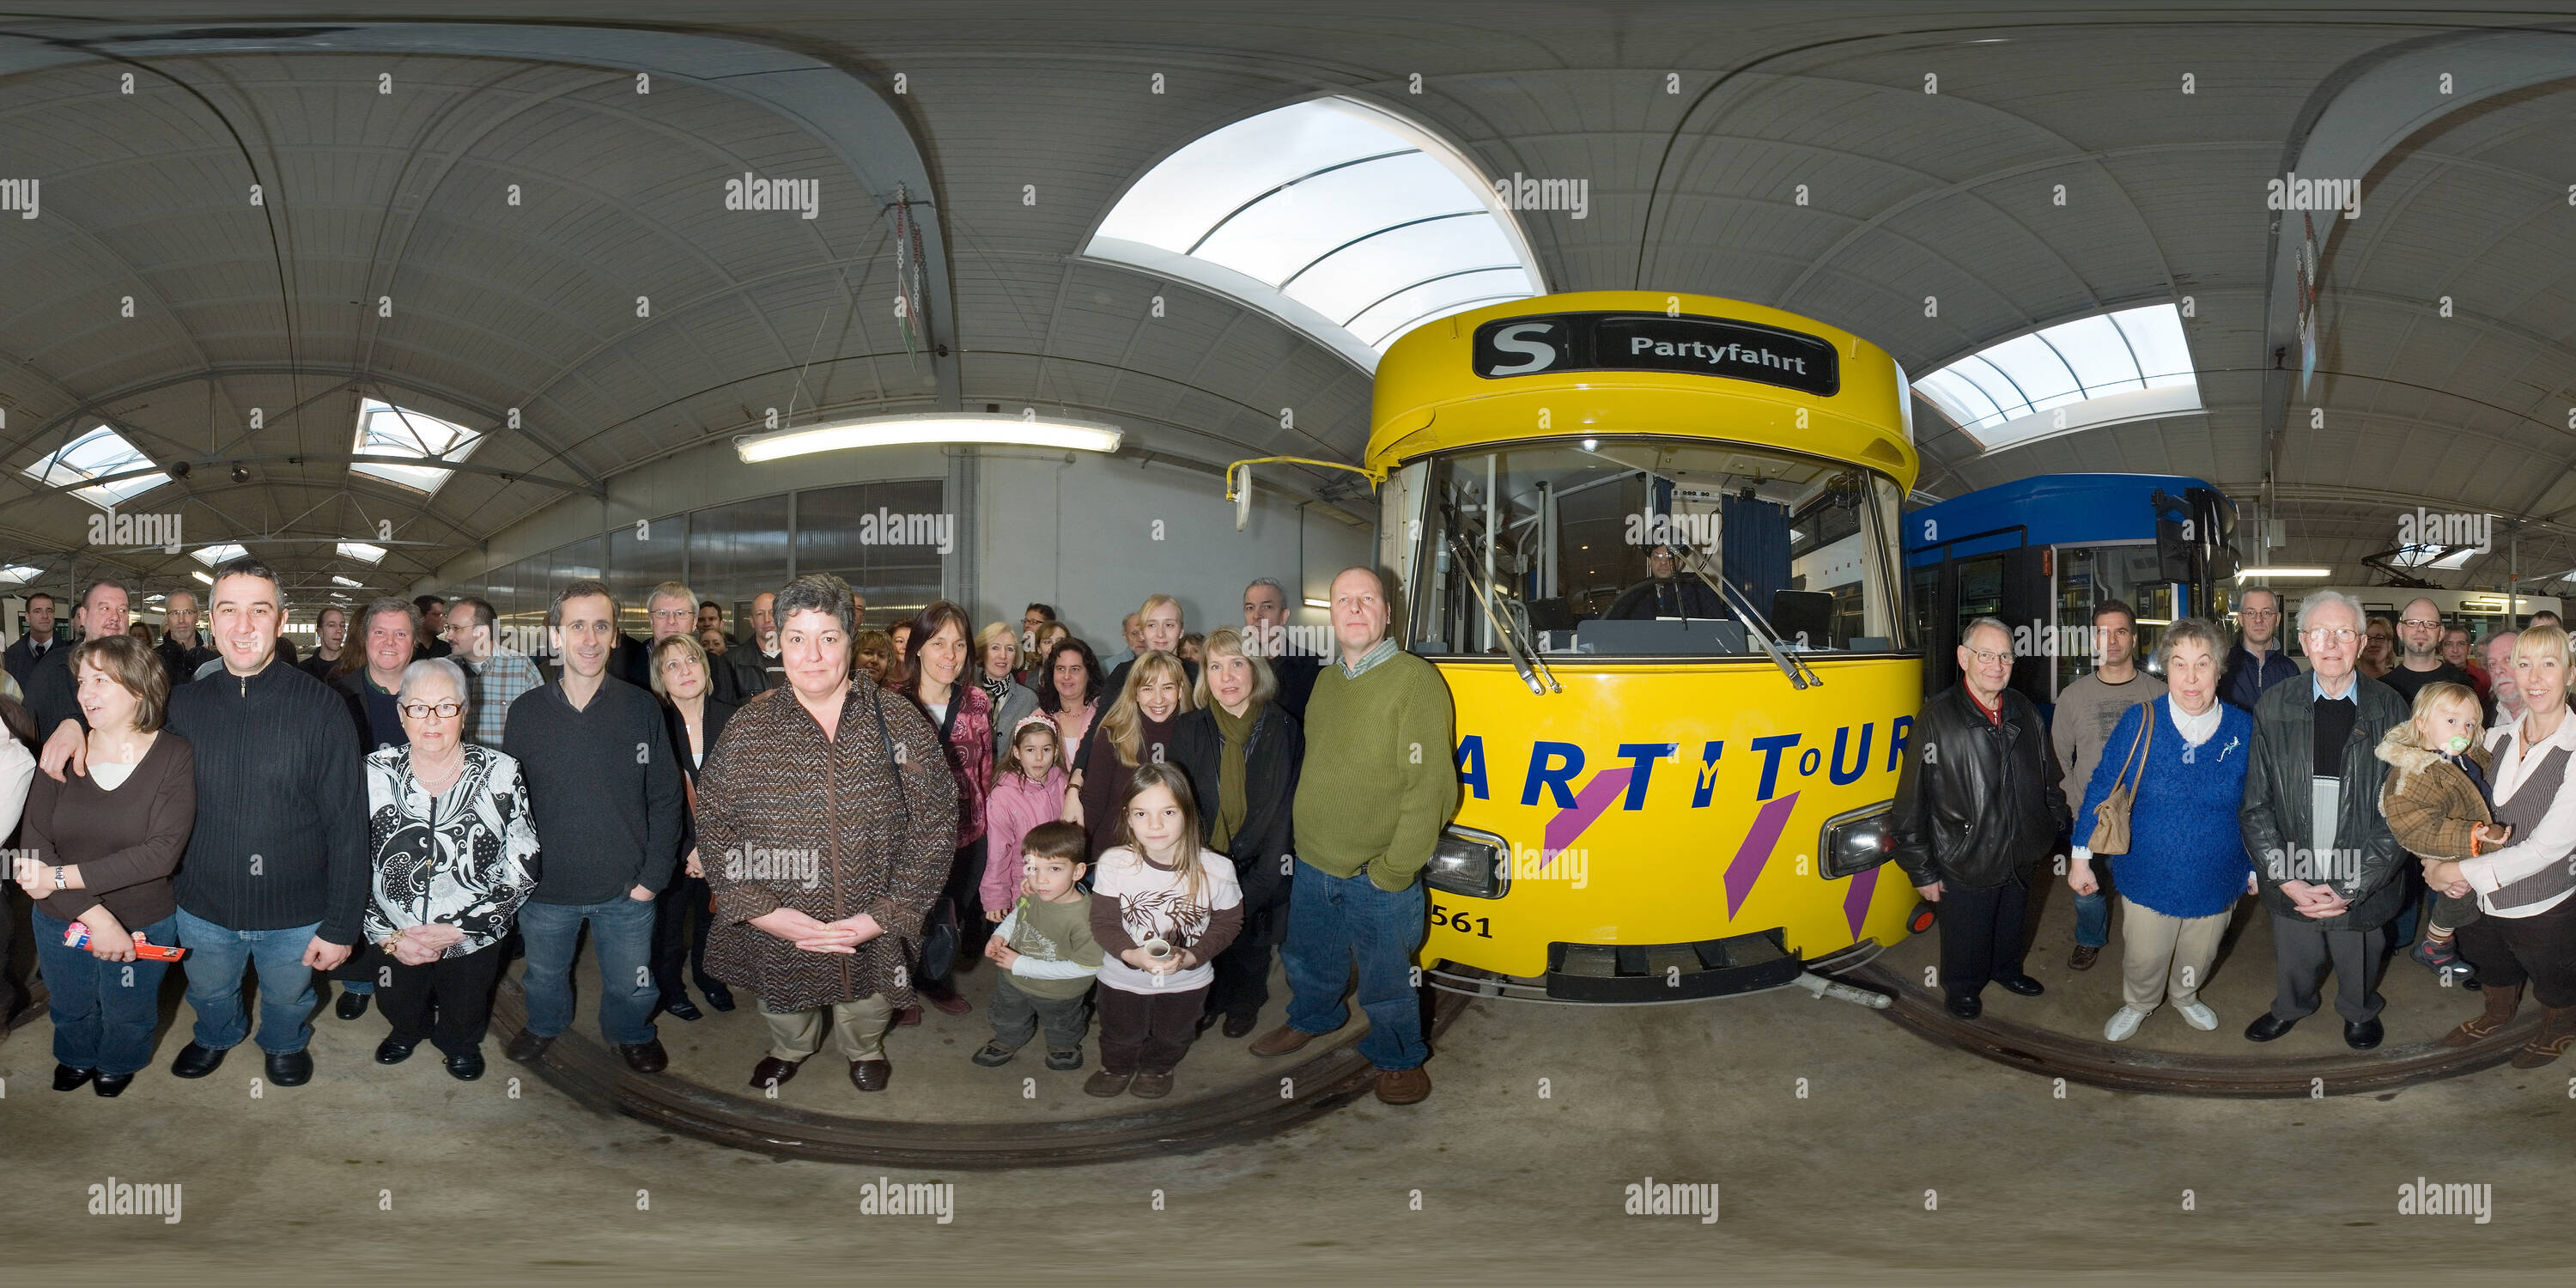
{"x": 423, "y": 711}
{"x": 2338, "y": 635}
{"x": 1984, "y": 658}
{"x": 2418, "y": 621}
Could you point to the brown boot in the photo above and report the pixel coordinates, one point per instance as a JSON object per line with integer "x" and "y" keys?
{"x": 2500, "y": 1005}
{"x": 2557, "y": 1033}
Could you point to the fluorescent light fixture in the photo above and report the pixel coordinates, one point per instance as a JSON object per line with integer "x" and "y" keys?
{"x": 2155, "y": 621}
{"x": 928, "y": 427}
{"x": 212, "y": 555}
{"x": 361, "y": 550}
{"x": 2244, "y": 573}
{"x": 19, "y": 574}
{"x": 1312, "y": 602}
{"x": 338, "y": 580}
{"x": 201, "y": 577}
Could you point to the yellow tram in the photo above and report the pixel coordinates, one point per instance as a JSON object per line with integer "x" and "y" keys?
{"x": 1675, "y": 788}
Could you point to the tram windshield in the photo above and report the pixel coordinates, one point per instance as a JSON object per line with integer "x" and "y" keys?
{"x": 1643, "y": 547}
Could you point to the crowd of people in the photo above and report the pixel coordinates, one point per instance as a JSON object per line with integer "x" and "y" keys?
{"x": 839, "y": 821}
{"x": 836, "y": 821}
{"x": 2349, "y": 797}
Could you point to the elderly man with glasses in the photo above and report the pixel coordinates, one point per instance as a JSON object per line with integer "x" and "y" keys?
{"x": 2258, "y": 661}
{"x": 2324, "y": 860}
{"x": 1978, "y": 805}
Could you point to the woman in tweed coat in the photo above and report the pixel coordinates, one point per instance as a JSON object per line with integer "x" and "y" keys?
{"x": 827, "y": 820}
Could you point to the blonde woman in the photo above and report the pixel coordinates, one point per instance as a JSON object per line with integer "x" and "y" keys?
{"x": 997, "y": 653}
{"x": 1137, "y": 730}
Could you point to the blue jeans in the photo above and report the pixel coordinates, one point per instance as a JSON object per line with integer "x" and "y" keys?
{"x": 215, "y": 961}
{"x": 621, "y": 937}
{"x": 103, "y": 1012}
{"x": 1333, "y": 919}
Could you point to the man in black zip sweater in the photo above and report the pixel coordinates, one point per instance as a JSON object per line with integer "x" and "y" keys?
{"x": 605, "y": 796}
{"x": 276, "y": 873}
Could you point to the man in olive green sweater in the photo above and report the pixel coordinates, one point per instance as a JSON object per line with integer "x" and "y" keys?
{"x": 1377, "y": 786}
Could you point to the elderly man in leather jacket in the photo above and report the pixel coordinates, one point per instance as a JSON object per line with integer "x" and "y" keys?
{"x": 1978, "y": 804}
{"x": 2327, "y": 864}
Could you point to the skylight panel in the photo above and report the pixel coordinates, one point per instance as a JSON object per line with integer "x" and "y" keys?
{"x": 98, "y": 454}
{"x": 2106, "y": 369}
{"x": 387, "y": 430}
{"x": 1322, "y": 214}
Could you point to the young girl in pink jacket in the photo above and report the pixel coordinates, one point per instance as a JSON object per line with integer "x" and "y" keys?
{"x": 1028, "y": 789}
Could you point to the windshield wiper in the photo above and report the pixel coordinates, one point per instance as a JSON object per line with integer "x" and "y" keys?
{"x": 1504, "y": 611}
{"x": 1756, "y": 625}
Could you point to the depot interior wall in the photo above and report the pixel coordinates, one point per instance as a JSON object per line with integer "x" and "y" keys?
{"x": 1097, "y": 535}
{"x": 1089, "y": 534}
{"x": 709, "y": 476}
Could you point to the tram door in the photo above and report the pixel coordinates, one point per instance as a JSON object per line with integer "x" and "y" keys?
{"x": 2007, "y": 585}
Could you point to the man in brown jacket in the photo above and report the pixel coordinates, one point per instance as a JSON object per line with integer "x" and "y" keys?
{"x": 827, "y": 820}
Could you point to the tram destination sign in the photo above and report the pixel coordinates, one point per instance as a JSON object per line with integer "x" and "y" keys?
{"x": 1698, "y": 346}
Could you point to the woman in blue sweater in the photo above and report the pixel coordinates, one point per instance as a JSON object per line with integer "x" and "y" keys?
{"x": 2186, "y": 866}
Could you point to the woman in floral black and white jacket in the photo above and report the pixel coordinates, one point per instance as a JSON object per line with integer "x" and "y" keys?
{"x": 453, "y": 856}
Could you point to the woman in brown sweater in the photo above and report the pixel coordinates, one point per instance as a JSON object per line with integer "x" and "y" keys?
{"x": 827, "y": 820}
{"x": 102, "y": 847}
{"x": 1138, "y": 729}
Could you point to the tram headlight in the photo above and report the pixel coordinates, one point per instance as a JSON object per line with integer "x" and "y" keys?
{"x": 1468, "y": 862}
{"x": 1860, "y": 840}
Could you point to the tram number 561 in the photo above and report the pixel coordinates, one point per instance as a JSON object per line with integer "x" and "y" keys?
{"x": 1480, "y": 927}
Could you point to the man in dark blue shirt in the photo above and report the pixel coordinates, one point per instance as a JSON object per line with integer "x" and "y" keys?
{"x": 604, "y": 793}
{"x": 2257, "y": 662}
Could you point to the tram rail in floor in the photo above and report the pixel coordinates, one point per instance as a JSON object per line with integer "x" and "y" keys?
{"x": 1325, "y": 1080}
{"x": 2101, "y": 1064}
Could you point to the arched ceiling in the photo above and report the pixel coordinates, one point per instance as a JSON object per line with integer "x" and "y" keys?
{"x": 1031, "y": 119}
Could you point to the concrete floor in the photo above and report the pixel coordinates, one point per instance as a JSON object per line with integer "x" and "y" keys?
{"x": 1541, "y": 1117}
{"x": 2239, "y": 987}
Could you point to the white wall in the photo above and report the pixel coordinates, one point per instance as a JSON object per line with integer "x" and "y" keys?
{"x": 1081, "y": 534}
{"x": 1095, "y": 537}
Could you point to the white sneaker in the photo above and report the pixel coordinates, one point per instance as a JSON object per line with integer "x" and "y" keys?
{"x": 2124, "y": 1024}
{"x": 2198, "y": 1016}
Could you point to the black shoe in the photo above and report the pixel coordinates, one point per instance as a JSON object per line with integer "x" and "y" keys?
{"x": 2362, "y": 1036}
{"x": 1238, "y": 1025}
{"x": 527, "y": 1048}
{"x": 1208, "y": 1020}
{"x": 194, "y": 1061}
{"x": 1064, "y": 1060}
{"x": 67, "y": 1078}
{"x": 352, "y": 1005}
{"x": 2266, "y": 1027}
{"x": 645, "y": 1057}
{"x": 719, "y": 998}
{"x": 681, "y": 1008}
{"x": 112, "y": 1085}
{"x": 466, "y": 1067}
{"x": 293, "y": 1069}
{"x": 2022, "y": 984}
{"x": 1966, "y": 1006}
{"x": 394, "y": 1050}
{"x": 993, "y": 1056}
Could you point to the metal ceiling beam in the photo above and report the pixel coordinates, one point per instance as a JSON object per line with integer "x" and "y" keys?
{"x": 2357, "y": 116}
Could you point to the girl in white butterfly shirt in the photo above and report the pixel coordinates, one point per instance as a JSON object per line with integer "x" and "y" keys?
{"x": 1160, "y": 884}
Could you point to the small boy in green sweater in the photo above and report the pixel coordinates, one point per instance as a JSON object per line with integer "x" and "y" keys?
{"x": 1047, "y": 947}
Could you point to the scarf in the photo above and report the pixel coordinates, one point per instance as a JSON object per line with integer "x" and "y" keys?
{"x": 996, "y": 690}
{"x": 1234, "y": 731}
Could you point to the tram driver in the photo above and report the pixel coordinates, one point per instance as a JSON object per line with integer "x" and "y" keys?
{"x": 1663, "y": 594}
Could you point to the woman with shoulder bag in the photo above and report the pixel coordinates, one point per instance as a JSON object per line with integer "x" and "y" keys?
{"x": 2165, "y": 798}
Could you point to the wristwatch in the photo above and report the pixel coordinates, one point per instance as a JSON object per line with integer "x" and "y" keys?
{"x": 58, "y": 878}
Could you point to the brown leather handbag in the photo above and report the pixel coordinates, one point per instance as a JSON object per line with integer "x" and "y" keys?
{"x": 2111, "y": 817}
